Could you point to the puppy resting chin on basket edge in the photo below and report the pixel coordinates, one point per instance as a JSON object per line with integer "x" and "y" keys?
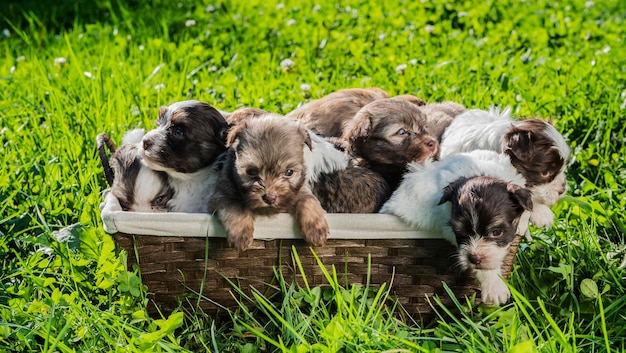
{"x": 476, "y": 201}
{"x": 264, "y": 173}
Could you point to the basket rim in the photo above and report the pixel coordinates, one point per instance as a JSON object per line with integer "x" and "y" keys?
{"x": 281, "y": 226}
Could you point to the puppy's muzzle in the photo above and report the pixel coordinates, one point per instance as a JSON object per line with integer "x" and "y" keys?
{"x": 269, "y": 199}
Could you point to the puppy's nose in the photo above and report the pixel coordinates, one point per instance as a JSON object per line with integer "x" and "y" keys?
{"x": 269, "y": 199}
{"x": 147, "y": 143}
{"x": 475, "y": 259}
{"x": 431, "y": 144}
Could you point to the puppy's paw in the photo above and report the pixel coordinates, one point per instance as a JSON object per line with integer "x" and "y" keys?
{"x": 312, "y": 222}
{"x": 542, "y": 216}
{"x": 239, "y": 230}
{"x": 494, "y": 292}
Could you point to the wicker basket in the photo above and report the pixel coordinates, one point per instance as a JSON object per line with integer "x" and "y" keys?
{"x": 181, "y": 254}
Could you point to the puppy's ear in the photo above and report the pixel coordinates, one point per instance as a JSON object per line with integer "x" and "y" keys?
{"x": 162, "y": 112}
{"x": 233, "y": 133}
{"x": 518, "y": 144}
{"x": 448, "y": 192}
{"x": 521, "y": 196}
{"x": 359, "y": 127}
{"x": 307, "y": 138}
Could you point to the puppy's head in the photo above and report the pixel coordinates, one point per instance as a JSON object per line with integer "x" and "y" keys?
{"x": 484, "y": 218}
{"x": 137, "y": 187}
{"x": 189, "y": 137}
{"x": 539, "y": 152}
{"x": 269, "y": 161}
{"x": 391, "y": 132}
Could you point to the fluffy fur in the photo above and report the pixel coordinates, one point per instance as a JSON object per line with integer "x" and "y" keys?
{"x": 264, "y": 173}
{"x": 440, "y": 115}
{"x": 536, "y": 149}
{"x": 328, "y": 115}
{"x": 185, "y": 145}
{"x": 137, "y": 187}
{"x": 388, "y": 134}
{"x": 485, "y": 214}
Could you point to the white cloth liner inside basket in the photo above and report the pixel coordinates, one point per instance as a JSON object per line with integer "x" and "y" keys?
{"x": 281, "y": 226}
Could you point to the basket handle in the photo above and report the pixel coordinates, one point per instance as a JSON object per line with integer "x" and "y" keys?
{"x": 102, "y": 140}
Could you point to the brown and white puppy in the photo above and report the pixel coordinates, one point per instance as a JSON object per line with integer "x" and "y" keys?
{"x": 327, "y": 116}
{"x": 340, "y": 186}
{"x": 440, "y": 115}
{"x": 536, "y": 149}
{"x": 136, "y": 187}
{"x": 185, "y": 145}
{"x": 388, "y": 134}
{"x": 264, "y": 173}
{"x": 485, "y": 214}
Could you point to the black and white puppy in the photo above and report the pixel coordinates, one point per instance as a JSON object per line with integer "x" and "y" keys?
{"x": 185, "y": 145}
{"x": 136, "y": 187}
{"x": 485, "y": 215}
{"x": 494, "y": 200}
{"x": 536, "y": 149}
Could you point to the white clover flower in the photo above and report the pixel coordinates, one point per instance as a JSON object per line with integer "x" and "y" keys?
{"x": 20, "y": 58}
{"x": 134, "y": 111}
{"x": 287, "y": 64}
{"x": 305, "y": 87}
{"x": 291, "y": 22}
{"x": 89, "y": 75}
{"x": 115, "y": 32}
{"x": 429, "y": 28}
{"x": 400, "y": 68}
{"x": 209, "y": 8}
{"x": 261, "y": 100}
{"x": 6, "y": 33}
{"x": 589, "y": 4}
{"x": 159, "y": 87}
{"x": 190, "y": 23}
{"x": 12, "y": 70}
{"x": 413, "y": 61}
{"x": 280, "y": 6}
{"x": 316, "y": 8}
{"x": 60, "y": 61}
{"x": 141, "y": 48}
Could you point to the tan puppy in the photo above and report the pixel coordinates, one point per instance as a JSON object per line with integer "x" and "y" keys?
{"x": 264, "y": 173}
{"x": 327, "y": 116}
{"x": 388, "y": 134}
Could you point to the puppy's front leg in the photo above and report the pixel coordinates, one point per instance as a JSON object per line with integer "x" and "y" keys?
{"x": 239, "y": 226}
{"x": 493, "y": 289}
{"x": 542, "y": 216}
{"x": 311, "y": 218}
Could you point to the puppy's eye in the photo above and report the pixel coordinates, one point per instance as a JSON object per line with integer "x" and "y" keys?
{"x": 496, "y": 233}
{"x": 252, "y": 172}
{"x": 159, "y": 200}
{"x": 401, "y": 132}
{"x": 178, "y": 132}
{"x": 288, "y": 172}
{"x": 546, "y": 174}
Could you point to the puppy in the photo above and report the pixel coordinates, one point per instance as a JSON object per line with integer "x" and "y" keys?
{"x": 340, "y": 186}
{"x": 185, "y": 145}
{"x": 327, "y": 116}
{"x": 264, "y": 173}
{"x": 387, "y": 134}
{"x": 137, "y": 187}
{"x": 485, "y": 192}
{"x": 485, "y": 214}
{"x": 536, "y": 149}
{"x": 440, "y": 115}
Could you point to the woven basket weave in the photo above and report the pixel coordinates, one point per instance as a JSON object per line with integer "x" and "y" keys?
{"x": 185, "y": 254}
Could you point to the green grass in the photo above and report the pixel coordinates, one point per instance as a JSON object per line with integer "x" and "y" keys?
{"x": 563, "y": 61}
